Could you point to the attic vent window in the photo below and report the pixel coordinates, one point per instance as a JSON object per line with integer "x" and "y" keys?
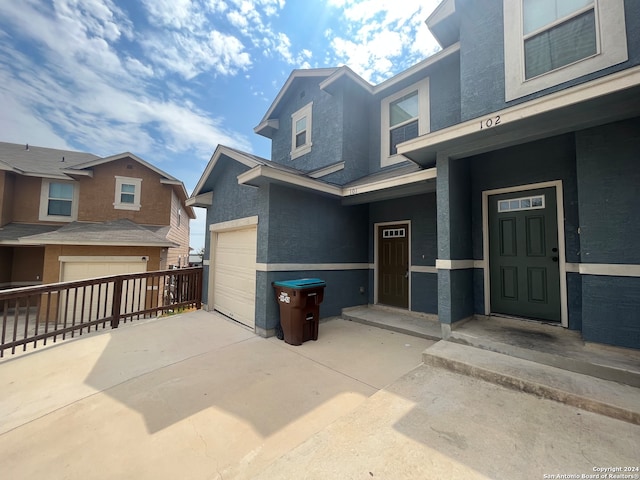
{"x": 129, "y": 167}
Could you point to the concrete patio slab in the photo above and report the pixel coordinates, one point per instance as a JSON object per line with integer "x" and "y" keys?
{"x": 189, "y": 396}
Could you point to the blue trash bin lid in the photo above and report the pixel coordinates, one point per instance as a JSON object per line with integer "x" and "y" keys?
{"x": 301, "y": 283}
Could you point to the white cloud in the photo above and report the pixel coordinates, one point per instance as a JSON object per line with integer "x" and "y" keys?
{"x": 381, "y": 37}
{"x": 76, "y": 86}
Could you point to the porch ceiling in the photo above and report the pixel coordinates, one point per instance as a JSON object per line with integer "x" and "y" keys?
{"x": 573, "y": 109}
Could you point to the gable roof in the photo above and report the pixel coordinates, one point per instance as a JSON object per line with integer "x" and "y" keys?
{"x": 66, "y": 164}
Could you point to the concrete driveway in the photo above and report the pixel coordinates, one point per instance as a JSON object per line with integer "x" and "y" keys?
{"x": 189, "y": 396}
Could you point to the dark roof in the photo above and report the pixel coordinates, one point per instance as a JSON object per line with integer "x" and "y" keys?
{"x": 13, "y": 232}
{"x": 118, "y": 232}
{"x": 40, "y": 161}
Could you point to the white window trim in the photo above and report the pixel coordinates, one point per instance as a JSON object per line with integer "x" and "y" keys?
{"x": 117, "y": 204}
{"x": 44, "y": 202}
{"x": 306, "y": 148}
{"x": 611, "y": 46}
{"x": 423, "y": 120}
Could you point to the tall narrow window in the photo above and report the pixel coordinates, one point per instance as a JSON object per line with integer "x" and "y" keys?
{"x": 58, "y": 201}
{"x": 404, "y": 115}
{"x": 128, "y": 192}
{"x": 301, "y": 122}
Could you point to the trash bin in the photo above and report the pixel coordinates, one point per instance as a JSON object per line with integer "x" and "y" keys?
{"x": 299, "y": 302}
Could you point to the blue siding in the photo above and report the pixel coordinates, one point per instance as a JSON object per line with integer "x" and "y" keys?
{"x": 482, "y": 57}
{"x": 444, "y": 93}
{"x": 611, "y": 310}
{"x": 455, "y": 295}
{"x": 608, "y": 181}
{"x": 424, "y": 292}
{"x": 308, "y": 228}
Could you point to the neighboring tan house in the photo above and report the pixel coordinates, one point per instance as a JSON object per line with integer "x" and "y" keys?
{"x": 500, "y": 176}
{"x": 68, "y": 215}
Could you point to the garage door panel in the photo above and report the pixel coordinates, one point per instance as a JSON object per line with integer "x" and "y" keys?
{"x": 234, "y": 274}
{"x": 100, "y": 298}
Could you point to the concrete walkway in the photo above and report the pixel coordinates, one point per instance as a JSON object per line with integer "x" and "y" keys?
{"x": 193, "y": 396}
{"x": 196, "y": 396}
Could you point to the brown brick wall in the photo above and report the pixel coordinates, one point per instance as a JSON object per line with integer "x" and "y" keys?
{"x": 97, "y": 195}
{"x": 27, "y": 264}
{"x": 26, "y": 199}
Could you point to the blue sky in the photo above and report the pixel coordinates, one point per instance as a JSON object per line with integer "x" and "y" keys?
{"x": 169, "y": 80}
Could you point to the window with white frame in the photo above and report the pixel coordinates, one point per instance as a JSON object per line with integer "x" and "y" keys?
{"x": 301, "y": 131}
{"x": 405, "y": 115}
{"x": 58, "y": 201}
{"x": 127, "y": 193}
{"x": 548, "y": 42}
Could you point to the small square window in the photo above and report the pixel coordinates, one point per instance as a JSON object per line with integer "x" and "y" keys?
{"x": 128, "y": 192}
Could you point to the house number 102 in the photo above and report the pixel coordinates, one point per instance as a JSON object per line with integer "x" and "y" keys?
{"x": 490, "y": 122}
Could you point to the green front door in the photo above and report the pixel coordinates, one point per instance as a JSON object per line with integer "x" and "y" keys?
{"x": 523, "y": 254}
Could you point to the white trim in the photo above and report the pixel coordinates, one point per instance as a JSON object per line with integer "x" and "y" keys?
{"x": 206, "y": 263}
{"x": 304, "y": 112}
{"x": 611, "y": 49}
{"x": 572, "y": 267}
{"x": 102, "y": 259}
{"x": 419, "y": 176}
{"x": 43, "y": 214}
{"x": 570, "y": 96}
{"x": 423, "y": 269}
{"x": 203, "y": 200}
{"x": 614, "y": 270}
{"x": 376, "y": 227}
{"x": 557, "y": 184}
{"x": 299, "y": 267}
{"x": 322, "y": 172}
{"x": 424, "y": 125}
{"x": 268, "y": 172}
{"x": 444, "y": 264}
{"x": 137, "y": 184}
{"x": 233, "y": 224}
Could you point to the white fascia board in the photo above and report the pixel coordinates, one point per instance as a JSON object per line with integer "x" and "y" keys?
{"x": 303, "y": 73}
{"x": 203, "y": 200}
{"x": 345, "y": 71}
{"x": 219, "y": 151}
{"x": 564, "y": 98}
{"x": 324, "y": 171}
{"x": 99, "y": 243}
{"x": 79, "y": 173}
{"x": 406, "y": 179}
{"x": 442, "y": 11}
{"x": 270, "y": 124}
{"x": 120, "y": 156}
{"x": 427, "y": 62}
{"x": 263, "y": 171}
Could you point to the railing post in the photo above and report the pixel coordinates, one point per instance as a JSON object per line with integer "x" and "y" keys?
{"x": 117, "y": 299}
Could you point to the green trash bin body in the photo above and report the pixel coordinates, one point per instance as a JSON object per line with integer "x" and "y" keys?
{"x": 299, "y": 302}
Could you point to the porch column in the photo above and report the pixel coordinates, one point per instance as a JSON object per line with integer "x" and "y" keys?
{"x": 455, "y": 255}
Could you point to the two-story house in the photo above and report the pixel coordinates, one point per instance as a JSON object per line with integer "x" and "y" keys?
{"x": 497, "y": 177}
{"x": 68, "y": 215}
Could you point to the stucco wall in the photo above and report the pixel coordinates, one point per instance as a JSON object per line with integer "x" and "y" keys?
{"x": 26, "y": 200}
{"x": 608, "y": 180}
{"x": 7, "y": 181}
{"x": 27, "y": 265}
{"x": 482, "y": 56}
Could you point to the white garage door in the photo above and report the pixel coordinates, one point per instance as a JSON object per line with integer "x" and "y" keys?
{"x": 97, "y": 303}
{"x": 234, "y": 274}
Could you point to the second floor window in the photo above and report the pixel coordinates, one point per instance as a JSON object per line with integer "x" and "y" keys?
{"x": 60, "y": 199}
{"x": 404, "y": 115}
{"x": 127, "y": 193}
{"x": 301, "y": 131}
{"x": 557, "y": 33}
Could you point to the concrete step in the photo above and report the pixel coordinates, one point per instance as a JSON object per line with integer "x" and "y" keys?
{"x": 396, "y": 320}
{"x": 561, "y": 351}
{"x": 586, "y": 392}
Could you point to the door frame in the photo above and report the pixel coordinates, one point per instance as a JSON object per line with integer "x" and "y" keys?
{"x": 376, "y": 252}
{"x": 557, "y": 184}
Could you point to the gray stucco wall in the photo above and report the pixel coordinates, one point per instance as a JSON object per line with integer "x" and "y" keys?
{"x": 608, "y": 179}
{"x": 482, "y": 56}
{"x": 444, "y": 93}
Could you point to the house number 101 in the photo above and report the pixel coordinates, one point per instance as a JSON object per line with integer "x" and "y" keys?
{"x": 490, "y": 122}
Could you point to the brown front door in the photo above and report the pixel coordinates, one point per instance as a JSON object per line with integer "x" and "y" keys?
{"x": 393, "y": 265}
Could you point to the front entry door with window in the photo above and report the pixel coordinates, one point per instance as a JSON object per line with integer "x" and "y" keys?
{"x": 393, "y": 265}
{"x": 523, "y": 254}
